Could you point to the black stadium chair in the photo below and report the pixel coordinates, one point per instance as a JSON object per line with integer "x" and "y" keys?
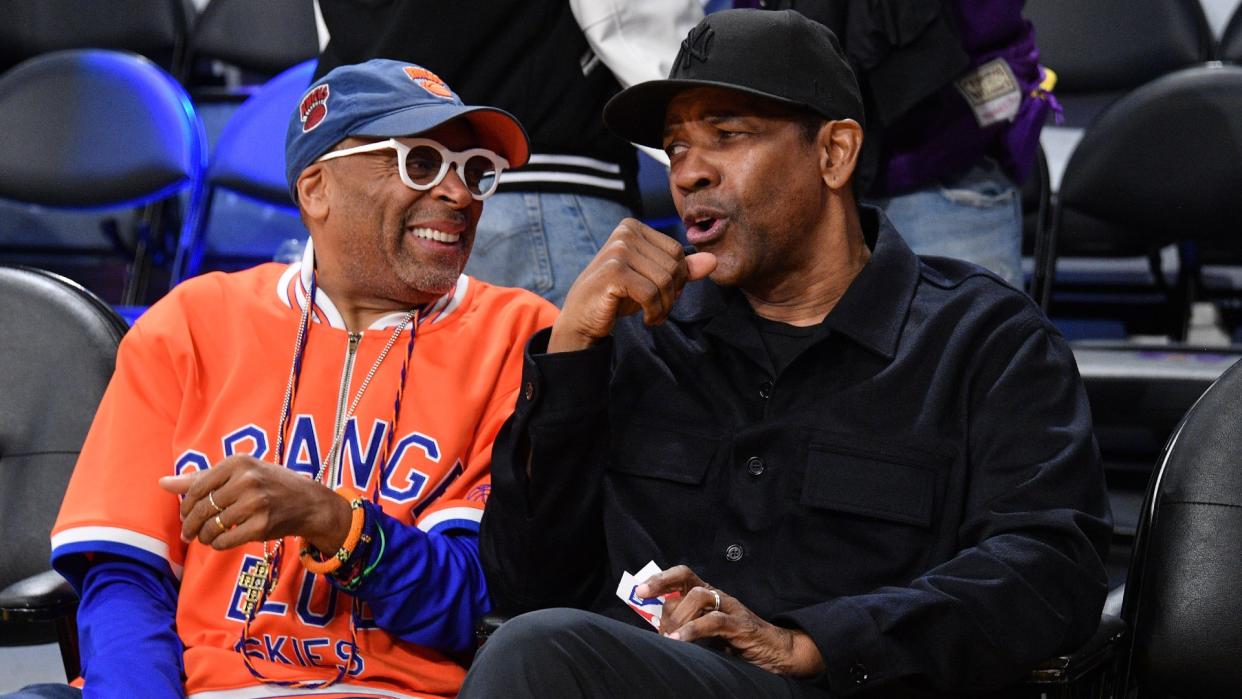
{"x": 1036, "y": 210}
{"x": 107, "y": 133}
{"x": 1181, "y": 603}
{"x": 1161, "y": 166}
{"x": 265, "y": 38}
{"x": 259, "y": 38}
{"x": 156, "y": 29}
{"x": 248, "y": 163}
{"x": 1100, "y": 49}
{"x": 1138, "y": 395}
{"x": 57, "y": 354}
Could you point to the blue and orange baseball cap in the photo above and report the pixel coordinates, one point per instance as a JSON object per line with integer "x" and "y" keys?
{"x": 382, "y": 98}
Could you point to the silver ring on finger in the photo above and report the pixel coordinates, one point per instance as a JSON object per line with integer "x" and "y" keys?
{"x": 715, "y": 600}
{"x": 212, "y": 500}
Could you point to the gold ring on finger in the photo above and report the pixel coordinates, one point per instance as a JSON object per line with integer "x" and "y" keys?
{"x": 211, "y": 499}
{"x": 715, "y": 600}
{"x": 220, "y": 524}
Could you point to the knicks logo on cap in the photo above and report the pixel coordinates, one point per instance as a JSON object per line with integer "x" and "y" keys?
{"x": 314, "y": 107}
{"x": 429, "y": 81}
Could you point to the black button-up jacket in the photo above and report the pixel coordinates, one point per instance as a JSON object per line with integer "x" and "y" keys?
{"x": 919, "y": 490}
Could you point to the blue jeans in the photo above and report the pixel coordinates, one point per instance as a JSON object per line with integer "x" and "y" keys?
{"x": 977, "y": 217}
{"x": 541, "y": 241}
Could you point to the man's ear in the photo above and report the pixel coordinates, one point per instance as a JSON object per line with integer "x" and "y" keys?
{"x": 839, "y": 143}
{"x": 312, "y": 186}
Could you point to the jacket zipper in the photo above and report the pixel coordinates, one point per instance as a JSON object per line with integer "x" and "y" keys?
{"x": 342, "y": 402}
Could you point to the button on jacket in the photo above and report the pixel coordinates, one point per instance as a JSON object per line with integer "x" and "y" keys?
{"x": 919, "y": 489}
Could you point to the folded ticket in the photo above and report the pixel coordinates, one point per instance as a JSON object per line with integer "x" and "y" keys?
{"x": 649, "y": 608}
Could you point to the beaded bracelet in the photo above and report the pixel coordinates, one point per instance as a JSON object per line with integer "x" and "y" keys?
{"x": 359, "y": 572}
{"x": 358, "y": 516}
{"x": 351, "y": 570}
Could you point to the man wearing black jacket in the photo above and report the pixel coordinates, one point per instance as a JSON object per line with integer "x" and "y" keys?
{"x": 861, "y": 470}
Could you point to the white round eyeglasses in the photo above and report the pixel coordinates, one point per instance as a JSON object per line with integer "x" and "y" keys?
{"x": 423, "y": 163}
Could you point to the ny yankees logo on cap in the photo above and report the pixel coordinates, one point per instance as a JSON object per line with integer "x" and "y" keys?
{"x": 696, "y": 45}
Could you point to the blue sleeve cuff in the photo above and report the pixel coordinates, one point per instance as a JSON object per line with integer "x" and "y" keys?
{"x": 126, "y": 620}
{"x": 423, "y": 587}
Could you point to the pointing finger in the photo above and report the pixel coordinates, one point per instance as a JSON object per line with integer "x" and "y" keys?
{"x": 179, "y": 485}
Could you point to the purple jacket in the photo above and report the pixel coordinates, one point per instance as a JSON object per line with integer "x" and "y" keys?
{"x": 941, "y": 138}
{"x": 938, "y": 137}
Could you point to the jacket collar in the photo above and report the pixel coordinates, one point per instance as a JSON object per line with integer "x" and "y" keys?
{"x": 294, "y": 287}
{"x": 872, "y": 311}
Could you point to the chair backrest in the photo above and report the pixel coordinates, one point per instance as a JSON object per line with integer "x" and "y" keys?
{"x": 249, "y": 159}
{"x": 1230, "y": 48}
{"x": 57, "y": 353}
{"x": 1181, "y": 601}
{"x": 1036, "y": 210}
{"x": 91, "y": 129}
{"x": 1162, "y": 165}
{"x": 1101, "y": 48}
{"x": 262, "y": 37}
{"x": 156, "y": 29}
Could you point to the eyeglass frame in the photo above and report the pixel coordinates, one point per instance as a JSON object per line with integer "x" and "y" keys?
{"x": 447, "y": 158}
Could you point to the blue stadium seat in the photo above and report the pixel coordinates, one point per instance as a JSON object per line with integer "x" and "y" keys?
{"x": 97, "y": 132}
{"x": 247, "y": 210}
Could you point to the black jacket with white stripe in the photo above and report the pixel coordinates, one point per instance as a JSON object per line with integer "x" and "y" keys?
{"x": 528, "y": 57}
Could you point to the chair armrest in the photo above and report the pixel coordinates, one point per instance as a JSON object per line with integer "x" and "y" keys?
{"x": 1088, "y": 662}
{"x": 44, "y": 596}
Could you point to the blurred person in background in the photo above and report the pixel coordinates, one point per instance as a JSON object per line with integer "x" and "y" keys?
{"x": 553, "y": 64}
{"x": 955, "y": 100}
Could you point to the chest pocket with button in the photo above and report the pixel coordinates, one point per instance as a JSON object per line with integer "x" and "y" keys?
{"x": 657, "y": 478}
{"x": 862, "y": 517}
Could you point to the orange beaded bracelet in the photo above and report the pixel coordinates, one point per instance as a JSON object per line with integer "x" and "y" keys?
{"x": 358, "y": 516}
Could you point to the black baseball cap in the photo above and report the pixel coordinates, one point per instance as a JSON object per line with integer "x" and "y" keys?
{"x": 780, "y": 55}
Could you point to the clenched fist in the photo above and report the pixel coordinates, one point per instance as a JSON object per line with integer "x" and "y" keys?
{"x": 637, "y": 269}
